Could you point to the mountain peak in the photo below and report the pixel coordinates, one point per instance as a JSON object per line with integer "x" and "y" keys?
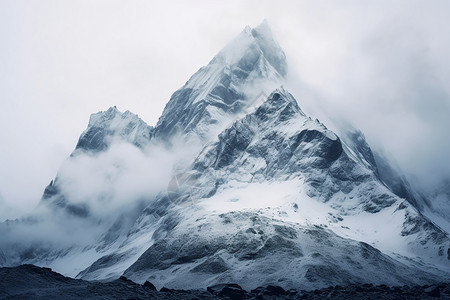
{"x": 97, "y": 119}
{"x": 215, "y": 93}
{"x": 104, "y": 126}
{"x": 264, "y": 25}
{"x": 263, "y": 31}
{"x": 247, "y": 30}
{"x": 250, "y": 45}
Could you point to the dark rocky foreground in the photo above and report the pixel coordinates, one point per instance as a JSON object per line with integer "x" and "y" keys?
{"x": 31, "y": 282}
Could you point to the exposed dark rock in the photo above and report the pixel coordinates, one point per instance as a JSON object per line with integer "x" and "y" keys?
{"x": 215, "y": 289}
{"x": 271, "y": 290}
{"x": 233, "y": 292}
{"x": 31, "y": 282}
{"x": 149, "y": 285}
{"x": 433, "y": 291}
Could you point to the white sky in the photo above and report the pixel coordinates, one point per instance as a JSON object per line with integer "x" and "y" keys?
{"x": 382, "y": 65}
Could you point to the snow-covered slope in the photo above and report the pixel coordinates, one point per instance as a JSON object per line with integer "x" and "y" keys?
{"x": 276, "y": 188}
{"x": 432, "y": 202}
{"x": 276, "y": 195}
{"x": 234, "y": 184}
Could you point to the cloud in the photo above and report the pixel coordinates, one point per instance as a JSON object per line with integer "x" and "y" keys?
{"x": 110, "y": 181}
{"x": 380, "y": 65}
{"x": 112, "y": 187}
{"x": 388, "y": 76}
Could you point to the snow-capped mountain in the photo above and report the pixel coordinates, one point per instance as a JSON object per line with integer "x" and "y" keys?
{"x": 234, "y": 184}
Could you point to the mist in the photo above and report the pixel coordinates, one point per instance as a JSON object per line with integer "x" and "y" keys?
{"x": 378, "y": 65}
{"x": 100, "y": 196}
{"x": 389, "y": 79}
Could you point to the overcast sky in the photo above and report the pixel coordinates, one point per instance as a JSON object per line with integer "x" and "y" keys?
{"x": 381, "y": 65}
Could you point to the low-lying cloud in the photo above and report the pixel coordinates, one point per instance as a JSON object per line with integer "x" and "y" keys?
{"x": 112, "y": 186}
{"x": 385, "y": 71}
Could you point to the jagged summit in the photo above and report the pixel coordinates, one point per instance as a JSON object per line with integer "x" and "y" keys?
{"x": 105, "y": 126}
{"x": 97, "y": 119}
{"x": 281, "y": 95}
{"x": 104, "y": 129}
{"x": 207, "y": 102}
{"x": 254, "y": 44}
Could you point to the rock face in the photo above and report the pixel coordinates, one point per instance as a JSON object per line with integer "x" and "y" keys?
{"x": 269, "y": 197}
{"x": 31, "y": 282}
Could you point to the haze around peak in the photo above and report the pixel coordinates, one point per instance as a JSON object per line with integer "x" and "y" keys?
{"x": 382, "y": 66}
{"x": 258, "y": 39}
